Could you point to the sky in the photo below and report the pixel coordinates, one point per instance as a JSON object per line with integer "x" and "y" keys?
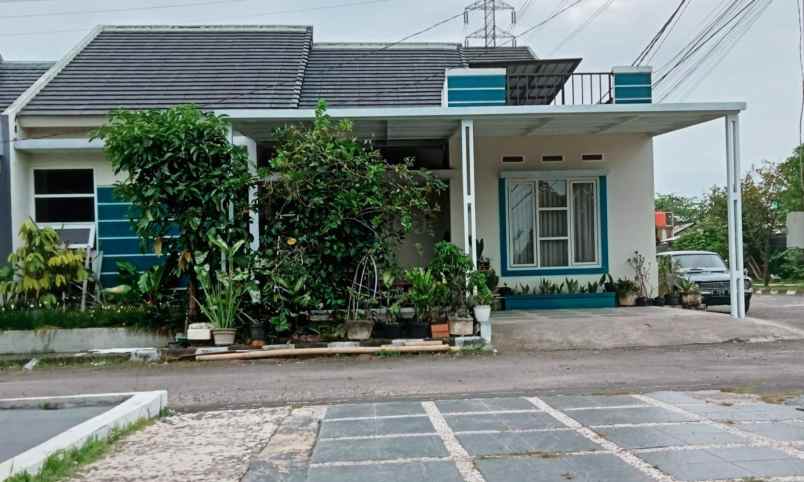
{"x": 761, "y": 70}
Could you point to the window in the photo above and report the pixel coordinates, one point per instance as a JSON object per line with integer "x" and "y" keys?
{"x": 553, "y": 223}
{"x": 513, "y": 159}
{"x": 64, "y": 196}
{"x": 552, "y": 158}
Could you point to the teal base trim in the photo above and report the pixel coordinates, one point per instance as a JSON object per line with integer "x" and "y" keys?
{"x": 560, "y": 301}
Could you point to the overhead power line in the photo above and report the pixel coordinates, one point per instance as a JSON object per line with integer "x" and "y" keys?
{"x": 547, "y": 20}
{"x": 583, "y": 26}
{"x": 250, "y": 14}
{"x": 659, "y": 35}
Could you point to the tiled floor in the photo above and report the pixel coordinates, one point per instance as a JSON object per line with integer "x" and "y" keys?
{"x": 664, "y": 437}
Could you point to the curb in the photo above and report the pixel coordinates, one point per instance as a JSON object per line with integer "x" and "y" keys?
{"x": 796, "y": 292}
{"x": 136, "y": 406}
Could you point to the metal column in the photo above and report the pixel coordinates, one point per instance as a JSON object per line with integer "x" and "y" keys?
{"x": 468, "y": 188}
{"x": 735, "y": 213}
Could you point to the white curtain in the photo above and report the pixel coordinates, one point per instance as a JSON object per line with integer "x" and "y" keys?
{"x": 521, "y": 223}
{"x": 584, "y": 220}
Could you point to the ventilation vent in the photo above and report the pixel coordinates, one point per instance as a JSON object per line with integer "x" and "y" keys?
{"x": 592, "y": 157}
{"x": 513, "y": 159}
{"x": 553, "y": 158}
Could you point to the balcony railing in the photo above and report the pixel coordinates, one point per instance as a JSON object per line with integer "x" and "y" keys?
{"x": 560, "y": 89}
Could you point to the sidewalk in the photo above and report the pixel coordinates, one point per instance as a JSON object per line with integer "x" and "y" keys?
{"x": 662, "y": 436}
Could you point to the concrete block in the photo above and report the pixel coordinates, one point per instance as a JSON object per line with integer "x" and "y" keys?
{"x": 148, "y": 355}
{"x": 470, "y": 342}
{"x": 343, "y": 344}
{"x": 407, "y": 341}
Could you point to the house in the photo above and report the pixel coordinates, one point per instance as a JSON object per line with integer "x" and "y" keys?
{"x": 551, "y": 167}
{"x": 15, "y": 78}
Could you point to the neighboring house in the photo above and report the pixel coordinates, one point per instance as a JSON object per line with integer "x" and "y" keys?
{"x": 552, "y": 168}
{"x": 15, "y": 78}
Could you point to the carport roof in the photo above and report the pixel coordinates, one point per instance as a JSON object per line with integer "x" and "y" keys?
{"x": 501, "y": 121}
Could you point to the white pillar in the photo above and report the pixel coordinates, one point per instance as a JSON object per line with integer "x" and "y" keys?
{"x": 254, "y": 215}
{"x": 468, "y": 188}
{"x": 735, "y": 213}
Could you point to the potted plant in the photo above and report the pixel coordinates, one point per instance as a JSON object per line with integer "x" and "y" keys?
{"x": 481, "y": 301}
{"x": 425, "y": 291}
{"x": 690, "y": 293}
{"x": 641, "y": 268}
{"x": 627, "y": 292}
{"x": 223, "y": 294}
{"x": 483, "y": 263}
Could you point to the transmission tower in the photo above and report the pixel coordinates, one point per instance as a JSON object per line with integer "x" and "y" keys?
{"x": 490, "y": 33}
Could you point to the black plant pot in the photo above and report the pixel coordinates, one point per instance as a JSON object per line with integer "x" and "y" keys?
{"x": 658, "y": 301}
{"x": 672, "y": 300}
{"x": 417, "y": 330}
{"x": 387, "y": 330}
{"x": 642, "y": 301}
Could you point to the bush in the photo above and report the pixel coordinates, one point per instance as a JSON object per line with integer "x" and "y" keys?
{"x": 113, "y": 317}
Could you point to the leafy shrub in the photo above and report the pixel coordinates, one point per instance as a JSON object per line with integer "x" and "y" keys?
{"x": 339, "y": 200}
{"x": 788, "y": 264}
{"x": 42, "y": 269}
{"x": 110, "y": 317}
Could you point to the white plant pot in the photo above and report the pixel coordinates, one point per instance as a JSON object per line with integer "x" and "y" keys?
{"x": 485, "y": 331}
{"x": 482, "y": 313}
{"x": 224, "y": 336}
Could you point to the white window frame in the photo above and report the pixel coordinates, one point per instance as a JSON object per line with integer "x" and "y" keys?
{"x": 59, "y": 224}
{"x": 570, "y": 179}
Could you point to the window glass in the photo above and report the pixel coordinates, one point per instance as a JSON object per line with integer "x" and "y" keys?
{"x": 552, "y": 194}
{"x": 521, "y": 207}
{"x": 554, "y": 253}
{"x": 553, "y": 224}
{"x": 584, "y": 214}
{"x": 63, "y": 181}
{"x": 64, "y": 196}
{"x": 699, "y": 261}
{"x": 65, "y": 210}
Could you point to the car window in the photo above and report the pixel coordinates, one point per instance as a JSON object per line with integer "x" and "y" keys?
{"x": 700, "y": 261}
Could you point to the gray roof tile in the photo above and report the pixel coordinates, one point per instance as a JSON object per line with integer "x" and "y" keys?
{"x": 372, "y": 75}
{"x": 215, "y": 67}
{"x": 16, "y": 77}
{"x": 482, "y": 55}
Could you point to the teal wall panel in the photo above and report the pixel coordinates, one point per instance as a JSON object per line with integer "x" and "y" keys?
{"x": 116, "y": 211}
{"x": 633, "y": 88}
{"x": 643, "y": 78}
{"x": 476, "y": 90}
{"x": 560, "y": 301}
{"x": 142, "y": 262}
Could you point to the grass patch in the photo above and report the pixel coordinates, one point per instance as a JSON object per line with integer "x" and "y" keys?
{"x": 775, "y": 398}
{"x": 64, "y": 464}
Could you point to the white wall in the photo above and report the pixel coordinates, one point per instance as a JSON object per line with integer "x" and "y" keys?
{"x": 22, "y": 177}
{"x": 795, "y": 230}
{"x": 629, "y": 170}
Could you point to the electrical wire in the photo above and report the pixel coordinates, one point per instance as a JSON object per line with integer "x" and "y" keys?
{"x": 666, "y": 36}
{"x": 250, "y": 15}
{"x": 543, "y": 22}
{"x": 647, "y": 50}
{"x": 584, "y": 25}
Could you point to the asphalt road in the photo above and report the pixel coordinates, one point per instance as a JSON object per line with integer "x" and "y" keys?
{"x": 771, "y": 366}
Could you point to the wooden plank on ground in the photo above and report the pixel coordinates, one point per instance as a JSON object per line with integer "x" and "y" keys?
{"x": 358, "y": 350}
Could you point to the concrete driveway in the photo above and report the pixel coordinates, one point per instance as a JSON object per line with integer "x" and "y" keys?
{"x": 606, "y": 328}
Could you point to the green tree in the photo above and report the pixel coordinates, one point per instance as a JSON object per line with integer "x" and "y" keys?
{"x": 685, "y": 209}
{"x": 337, "y": 200}
{"x": 183, "y": 175}
{"x": 792, "y": 172}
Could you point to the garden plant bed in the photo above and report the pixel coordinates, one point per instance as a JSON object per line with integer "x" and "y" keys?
{"x": 560, "y": 301}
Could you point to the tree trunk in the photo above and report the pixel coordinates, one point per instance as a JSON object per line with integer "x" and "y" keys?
{"x": 192, "y": 304}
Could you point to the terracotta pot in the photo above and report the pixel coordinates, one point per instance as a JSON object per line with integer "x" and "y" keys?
{"x": 359, "y": 329}
{"x": 461, "y": 326}
{"x": 439, "y": 330}
{"x": 691, "y": 299}
{"x": 224, "y": 336}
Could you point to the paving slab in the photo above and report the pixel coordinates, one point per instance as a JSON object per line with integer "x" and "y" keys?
{"x": 614, "y": 416}
{"x": 669, "y": 436}
{"x": 401, "y": 472}
{"x": 512, "y": 443}
{"x": 581, "y": 468}
{"x": 588, "y": 401}
{"x": 726, "y": 463}
{"x": 780, "y": 431}
{"x": 375, "y": 426}
{"x": 378, "y": 449}
{"x": 483, "y": 405}
{"x": 502, "y": 421}
{"x": 747, "y": 412}
{"x": 375, "y": 409}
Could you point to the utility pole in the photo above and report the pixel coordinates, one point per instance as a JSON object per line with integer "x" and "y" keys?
{"x": 489, "y": 33}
